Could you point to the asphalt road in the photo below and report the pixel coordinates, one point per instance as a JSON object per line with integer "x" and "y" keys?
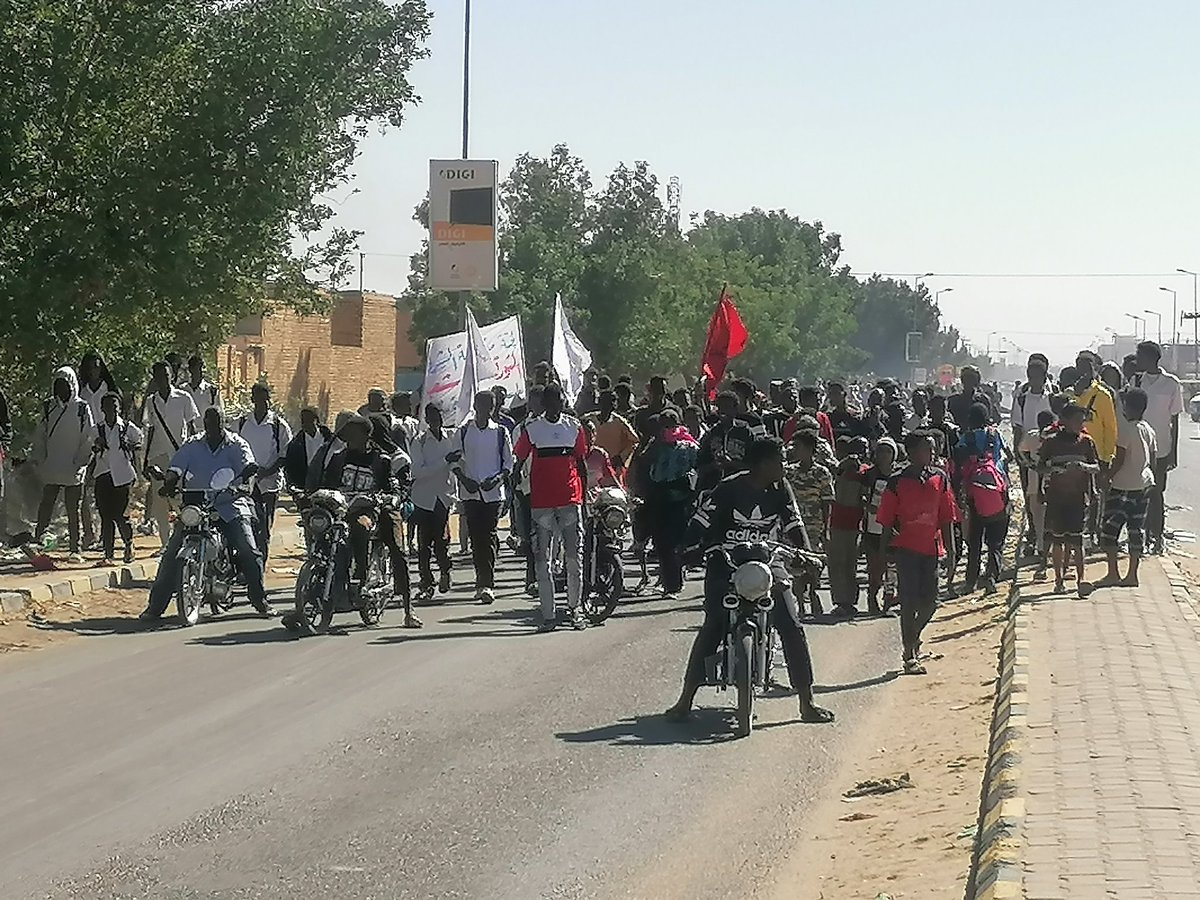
{"x": 1183, "y": 487}
{"x": 470, "y": 759}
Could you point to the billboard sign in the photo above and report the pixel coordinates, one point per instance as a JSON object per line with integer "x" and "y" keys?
{"x": 462, "y": 224}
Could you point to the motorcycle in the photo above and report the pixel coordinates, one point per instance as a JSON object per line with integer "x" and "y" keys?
{"x": 206, "y": 567}
{"x": 744, "y": 658}
{"x": 608, "y": 521}
{"x": 324, "y": 586}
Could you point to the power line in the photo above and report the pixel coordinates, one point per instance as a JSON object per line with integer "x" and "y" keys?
{"x": 1021, "y": 274}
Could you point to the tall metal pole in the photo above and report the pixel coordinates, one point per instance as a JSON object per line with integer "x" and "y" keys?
{"x": 466, "y": 110}
{"x": 1195, "y": 317}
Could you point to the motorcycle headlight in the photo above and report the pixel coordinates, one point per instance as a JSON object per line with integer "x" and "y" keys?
{"x": 319, "y": 522}
{"x": 191, "y": 516}
{"x": 614, "y": 518}
{"x": 752, "y": 580}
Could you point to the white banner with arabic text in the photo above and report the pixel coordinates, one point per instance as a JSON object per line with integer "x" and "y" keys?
{"x": 446, "y": 361}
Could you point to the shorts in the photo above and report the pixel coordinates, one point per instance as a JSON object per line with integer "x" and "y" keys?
{"x": 1065, "y": 519}
{"x": 1128, "y": 509}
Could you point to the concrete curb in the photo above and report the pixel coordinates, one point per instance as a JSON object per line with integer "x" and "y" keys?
{"x": 13, "y": 600}
{"x": 997, "y": 872}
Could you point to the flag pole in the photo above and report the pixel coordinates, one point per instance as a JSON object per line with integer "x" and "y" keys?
{"x": 703, "y": 380}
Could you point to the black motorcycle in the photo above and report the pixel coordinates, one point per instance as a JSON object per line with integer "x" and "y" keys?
{"x": 608, "y": 521}
{"x": 324, "y": 586}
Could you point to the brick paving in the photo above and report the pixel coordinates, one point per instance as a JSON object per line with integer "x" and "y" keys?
{"x": 1112, "y": 763}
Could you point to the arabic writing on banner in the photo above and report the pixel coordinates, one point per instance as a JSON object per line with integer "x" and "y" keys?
{"x": 446, "y": 359}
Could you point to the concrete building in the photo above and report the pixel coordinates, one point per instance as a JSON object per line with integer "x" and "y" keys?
{"x": 329, "y": 362}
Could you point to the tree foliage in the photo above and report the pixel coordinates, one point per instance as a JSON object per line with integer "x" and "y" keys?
{"x": 159, "y": 161}
{"x": 640, "y": 292}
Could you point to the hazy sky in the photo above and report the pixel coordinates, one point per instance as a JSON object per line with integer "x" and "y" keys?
{"x": 934, "y": 136}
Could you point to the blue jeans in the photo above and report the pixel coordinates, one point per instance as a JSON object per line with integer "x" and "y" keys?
{"x": 239, "y": 536}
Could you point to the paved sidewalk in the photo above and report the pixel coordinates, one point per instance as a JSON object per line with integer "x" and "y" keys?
{"x": 1112, "y": 762}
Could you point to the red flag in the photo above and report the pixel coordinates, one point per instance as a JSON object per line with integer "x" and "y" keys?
{"x": 727, "y": 338}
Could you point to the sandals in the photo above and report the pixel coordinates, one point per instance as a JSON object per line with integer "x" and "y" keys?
{"x": 816, "y": 715}
{"x": 914, "y": 667}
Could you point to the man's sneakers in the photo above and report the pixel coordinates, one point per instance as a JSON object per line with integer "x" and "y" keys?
{"x": 578, "y": 620}
{"x": 486, "y": 596}
{"x": 128, "y": 554}
{"x": 444, "y": 583}
{"x": 547, "y": 625}
{"x": 265, "y": 610}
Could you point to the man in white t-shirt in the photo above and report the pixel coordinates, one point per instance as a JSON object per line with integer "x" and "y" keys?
{"x": 1164, "y": 403}
{"x": 204, "y": 393}
{"x": 116, "y": 452}
{"x": 481, "y": 460}
{"x": 169, "y": 417}
{"x": 268, "y": 435}
{"x": 1130, "y": 487}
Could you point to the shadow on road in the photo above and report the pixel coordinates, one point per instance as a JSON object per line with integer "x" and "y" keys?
{"x": 707, "y": 726}
{"x": 857, "y": 685}
{"x": 248, "y": 638}
{"x": 95, "y": 627}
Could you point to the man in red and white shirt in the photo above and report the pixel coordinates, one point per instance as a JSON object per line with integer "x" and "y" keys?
{"x": 558, "y": 446}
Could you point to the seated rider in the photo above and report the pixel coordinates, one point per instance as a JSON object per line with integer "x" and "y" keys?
{"x": 753, "y": 506}
{"x": 358, "y": 467}
{"x": 194, "y": 464}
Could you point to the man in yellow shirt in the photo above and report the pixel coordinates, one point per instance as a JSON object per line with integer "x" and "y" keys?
{"x": 614, "y": 433}
{"x": 1095, "y": 397}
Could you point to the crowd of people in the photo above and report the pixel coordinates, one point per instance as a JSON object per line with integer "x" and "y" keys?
{"x": 908, "y": 481}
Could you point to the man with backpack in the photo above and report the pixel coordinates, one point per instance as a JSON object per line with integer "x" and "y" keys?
{"x": 670, "y": 492}
{"x": 116, "y": 447}
{"x": 981, "y": 460}
{"x": 482, "y": 458}
{"x": 169, "y": 418}
{"x": 204, "y": 393}
{"x": 268, "y": 435}
{"x": 62, "y": 449}
{"x": 1031, "y": 401}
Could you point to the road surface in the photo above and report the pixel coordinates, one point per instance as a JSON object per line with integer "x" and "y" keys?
{"x": 1183, "y": 488}
{"x": 470, "y": 759}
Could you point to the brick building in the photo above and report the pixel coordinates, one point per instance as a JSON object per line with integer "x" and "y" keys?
{"x": 329, "y": 362}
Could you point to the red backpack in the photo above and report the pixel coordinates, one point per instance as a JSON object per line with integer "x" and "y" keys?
{"x": 985, "y": 484}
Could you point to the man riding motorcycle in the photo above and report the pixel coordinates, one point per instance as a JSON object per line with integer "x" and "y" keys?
{"x": 748, "y": 507}
{"x": 194, "y": 464}
{"x": 358, "y": 466}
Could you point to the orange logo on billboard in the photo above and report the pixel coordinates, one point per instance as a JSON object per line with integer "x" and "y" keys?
{"x": 449, "y": 231}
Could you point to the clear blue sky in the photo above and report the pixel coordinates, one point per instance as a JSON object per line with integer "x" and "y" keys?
{"x": 934, "y": 136}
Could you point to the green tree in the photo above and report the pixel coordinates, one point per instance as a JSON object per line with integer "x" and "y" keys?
{"x": 159, "y": 163}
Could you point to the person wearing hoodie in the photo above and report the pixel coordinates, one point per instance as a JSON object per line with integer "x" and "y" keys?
{"x": 95, "y": 383}
{"x": 62, "y": 448}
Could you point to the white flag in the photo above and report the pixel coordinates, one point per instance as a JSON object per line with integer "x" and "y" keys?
{"x": 480, "y": 367}
{"x": 570, "y": 358}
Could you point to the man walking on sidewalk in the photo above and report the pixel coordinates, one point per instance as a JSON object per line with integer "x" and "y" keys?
{"x": 916, "y": 512}
{"x": 558, "y": 447}
{"x": 1130, "y": 485}
{"x": 169, "y": 418}
{"x": 434, "y": 492}
{"x": 1164, "y": 403}
{"x": 482, "y": 458}
{"x": 268, "y": 435}
{"x": 1068, "y": 461}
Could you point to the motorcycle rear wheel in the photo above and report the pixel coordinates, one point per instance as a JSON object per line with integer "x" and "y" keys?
{"x": 189, "y": 593}
{"x": 313, "y": 613}
{"x": 600, "y": 600}
{"x": 744, "y": 682}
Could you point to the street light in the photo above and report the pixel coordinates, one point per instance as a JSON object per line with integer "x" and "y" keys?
{"x": 988, "y": 350}
{"x": 1137, "y": 319}
{"x": 937, "y": 297}
{"x": 1174, "y": 317}
{"x": 1195, "y": 316}
{"x": 1151, "y": 312}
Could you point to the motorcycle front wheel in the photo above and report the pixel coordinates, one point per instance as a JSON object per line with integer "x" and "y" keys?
{"x": 189, "y": 594}
{"x": 744, "y": 682}
{"x": 602, "y": 595}
{"x": 313, "y": 611}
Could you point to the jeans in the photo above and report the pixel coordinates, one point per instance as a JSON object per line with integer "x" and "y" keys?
{"x": 1156, "y": 517}
{"x": 992, "y": 532}
{"x": 430, "y": 525}
{"x": 784, "y": 619}
{"x": 841, "y": 553}
{"x": 481, "y": 519}
{"x": 917, "y": 590}
{"x": 523, "y": 523}
{"x": 112, "y": 502}
{"x": 72, "y": 494}
{"x": 241, "y": 539}
{"x": 264, "y": 518}
{"x": 565, "y": 523}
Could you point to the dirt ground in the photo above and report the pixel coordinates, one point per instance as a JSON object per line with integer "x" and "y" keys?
{"x": 914, "y": 843}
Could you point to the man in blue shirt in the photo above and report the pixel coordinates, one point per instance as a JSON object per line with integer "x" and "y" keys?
{"x": 192, "y": 470}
